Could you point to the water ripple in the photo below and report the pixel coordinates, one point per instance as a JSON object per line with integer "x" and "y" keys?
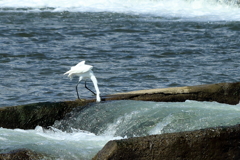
{"x": 127, "y": 52}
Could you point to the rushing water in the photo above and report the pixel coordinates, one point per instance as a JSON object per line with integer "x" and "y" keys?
{"x": 82, "y": 133}
{"x": 133, "y": 45}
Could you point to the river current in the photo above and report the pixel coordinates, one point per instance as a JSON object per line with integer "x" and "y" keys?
{"x": 132, "y": 45}
{"x": 186, "y": 44}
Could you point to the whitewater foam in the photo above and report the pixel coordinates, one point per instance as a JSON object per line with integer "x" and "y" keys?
{"x": 159, "y": 127}
{"x": 180, "y": 9}
{"x": 54, "y": 142}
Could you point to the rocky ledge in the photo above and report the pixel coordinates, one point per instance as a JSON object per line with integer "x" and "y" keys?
{"x": 45, "y": 113}
{"x": 228, "y": 93}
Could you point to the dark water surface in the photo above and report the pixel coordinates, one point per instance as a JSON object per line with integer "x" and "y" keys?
{"x": 128, "y": 52}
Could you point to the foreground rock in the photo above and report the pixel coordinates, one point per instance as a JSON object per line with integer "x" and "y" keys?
{"x": 228, "y": 93}
{"x": 213, "y": 143}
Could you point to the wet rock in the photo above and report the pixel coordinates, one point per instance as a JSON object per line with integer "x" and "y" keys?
{"x": 228, "y": 93}
{"x": 21, "y": 154}
{"x": 212, "y": 143}
{"x": 45, "y": 113}
{"x": 31, "y": 115}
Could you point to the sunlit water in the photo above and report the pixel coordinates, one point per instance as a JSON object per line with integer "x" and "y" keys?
{"x": 133, "y": 45}
{"x": 82, "y": 133}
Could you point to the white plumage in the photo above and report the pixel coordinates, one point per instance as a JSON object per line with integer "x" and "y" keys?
{"x": 84, "y": 71}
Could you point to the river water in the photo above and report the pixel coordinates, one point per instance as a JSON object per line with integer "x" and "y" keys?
{"x": 132, "y": 44}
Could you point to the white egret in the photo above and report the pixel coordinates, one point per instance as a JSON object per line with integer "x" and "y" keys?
{"x": 84, "y": 71}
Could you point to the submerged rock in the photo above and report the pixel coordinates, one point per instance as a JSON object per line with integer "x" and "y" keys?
{"x": 21, "y": 154}
{"x": 212, "y": 143}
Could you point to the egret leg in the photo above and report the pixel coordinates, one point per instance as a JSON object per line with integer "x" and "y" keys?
{"x": 77, "y": 90}
{"x": 88, "y": 88}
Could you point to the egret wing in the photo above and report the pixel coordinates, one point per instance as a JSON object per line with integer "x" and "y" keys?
{"x": 80, "y": 63}
{"x": 79, "y": 69}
